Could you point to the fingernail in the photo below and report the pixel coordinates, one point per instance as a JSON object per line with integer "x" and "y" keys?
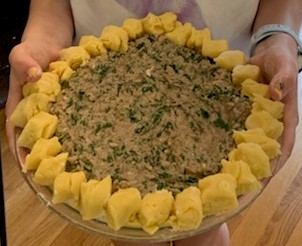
{"x": 279, "y": 87}
{"x": 32, "y": 73}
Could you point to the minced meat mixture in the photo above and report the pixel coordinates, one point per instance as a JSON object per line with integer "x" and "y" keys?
{"x": 159, "y": 116}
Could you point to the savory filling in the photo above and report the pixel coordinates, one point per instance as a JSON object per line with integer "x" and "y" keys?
{"x": 158, "y": 116}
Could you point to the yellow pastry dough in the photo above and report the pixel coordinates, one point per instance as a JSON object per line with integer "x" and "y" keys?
{"x": 48, "y": 84}
{"x": 262, "y": 119}
{"x": 155, "y": 210}
{"x": 241, "y": 72}
{"x": 152, "y": 24}
{"x": 213, "y": 48}
{"x": 94, "y": 197}
{"x": 123, "y": 207}
{"x": 196, "y": 38}
{"x": 67, "y": 188}
{"x": 270, "y": 146}
{"x": 62, "y": 69}
{"x": 29, "y": 107}
{"x": 246, "y": 181}
{"x": 168, "y": 21}
{"x": 42, "y": 125}
{"x": 251, "y": 88}
{"x": 93, "y": 45}
{"x": 181, "y": 34}
{"x": 75, "y": 56}
{"x": 133, "y": 27}
{"x": 42, "y": 149}
{"x": 115, "y": 38}
{"x": 188, "y": 212}
{"x": 230, "y": 58}
{"x": 274, "y": 108}
{"x": 254, "y": 156}
{"x": 49, "y": 168}
{"x": 218, "y": 193}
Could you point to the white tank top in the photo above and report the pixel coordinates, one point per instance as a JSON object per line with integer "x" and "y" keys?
{"x": 227, "y": 19}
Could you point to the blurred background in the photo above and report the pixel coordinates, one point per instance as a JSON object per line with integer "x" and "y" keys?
{"x": 13, "y": 16}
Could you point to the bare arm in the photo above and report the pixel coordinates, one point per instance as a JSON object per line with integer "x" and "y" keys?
{"x": 288, "y": 12}
{"x": 50, "y": 21}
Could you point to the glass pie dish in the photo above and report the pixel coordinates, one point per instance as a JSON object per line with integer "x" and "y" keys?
{"x": 44, "y": 194}
{"x": 140, "y": 232}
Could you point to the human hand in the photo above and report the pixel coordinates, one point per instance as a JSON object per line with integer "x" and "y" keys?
{"x": 27, "y": 61}
{"x": 277, "y": 58}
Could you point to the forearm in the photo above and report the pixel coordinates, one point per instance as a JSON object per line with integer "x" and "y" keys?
{"x": 287, "y": 12}
{"x": 50, "y": 21}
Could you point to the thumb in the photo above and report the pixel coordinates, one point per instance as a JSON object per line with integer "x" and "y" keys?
{"x": 282, "y": 84}
{"x": 34, "y": 73}
{"x": 24, "y": 66}
{"x": 277, "y": 87}
{"x": 281, "y": 76}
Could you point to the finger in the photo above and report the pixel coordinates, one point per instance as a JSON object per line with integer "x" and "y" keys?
{"x": 280, "y": 75}
{"x": 267, "y": 68}
{"x": 34, "y": 73}
{"x": 290, "y": 120}
{"x": 24, "y": 65}
{"x": 23, "y": 68}
{"x": 256, "y": 60}
{"x": 284, "y": 80}
{"x": 279, "y": 86}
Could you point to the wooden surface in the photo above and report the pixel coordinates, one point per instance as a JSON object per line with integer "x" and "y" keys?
{"x": 273, "y": 219}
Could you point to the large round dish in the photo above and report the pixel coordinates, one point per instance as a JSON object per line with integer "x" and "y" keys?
{"x": 127, "y": 234}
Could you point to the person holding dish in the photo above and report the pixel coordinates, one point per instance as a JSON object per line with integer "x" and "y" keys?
{"x": 55, "y": 24}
